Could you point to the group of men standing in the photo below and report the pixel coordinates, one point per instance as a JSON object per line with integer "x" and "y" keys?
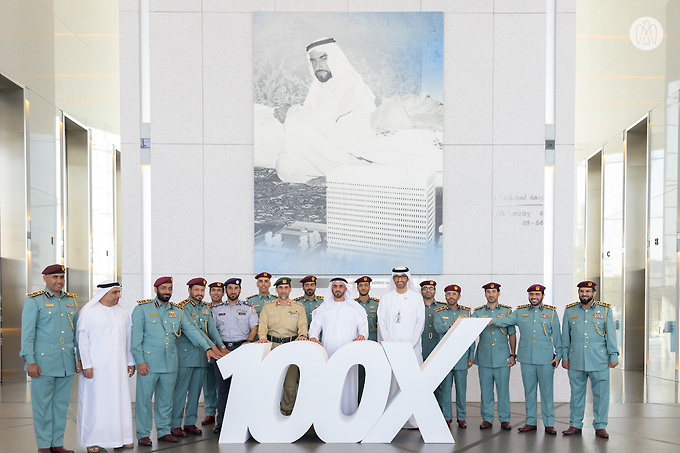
{"x": 173, "y": 348}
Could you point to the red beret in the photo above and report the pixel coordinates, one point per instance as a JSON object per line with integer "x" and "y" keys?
{"x": 263, "y": 274}
{"x": 309, "y": 278}
{"x": 216, "y": 285}
{"x": 492, "y": 285}
{"x": 54, "y": 269}
{"x": 428, "y": 283}
{"x": 162, "y": 280}
{"x": 365, "y": 278}
{"x": 587, "y": 284}
{"x": 452, "y": 288}
{"x": 536, "y": 287}
{"x": 197, "y": 281}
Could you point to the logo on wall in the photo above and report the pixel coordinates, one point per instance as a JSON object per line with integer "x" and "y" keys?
{"x": 646, "y": 33}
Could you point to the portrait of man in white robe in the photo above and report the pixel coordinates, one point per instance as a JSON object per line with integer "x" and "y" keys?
{"x": 342, "y": 320}
{"x": 104, "y": 406}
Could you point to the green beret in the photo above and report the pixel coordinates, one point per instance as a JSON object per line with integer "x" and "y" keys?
{"x": 282, "y": 281}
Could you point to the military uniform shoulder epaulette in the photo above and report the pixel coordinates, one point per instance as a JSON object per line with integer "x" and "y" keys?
{"x": 295, "y": 301}
{"x": 550, "y": 307}
{"x": 36, "y": 293}
{"x": 145, "y": 301}
{"x": 464, "y": 307}
{"x": 373, "y": 298}
{"x": 250, "y": 297}
{"x": 245, "y": 302}
{"x": 522, "y": 306}
{"x": 481, "y": 306}
{"x": 319, "y": 297}
{"x": 505, "y": 306}
{"x": 443, "y": 303}
{"x": 181, "y": 304}
{"x": 298, "y": 298}
{"x": 604, "y": 304}
{"x": 572, "y": 305}
{"x": 74, "y": 295}
{"x": 441, "y": 308}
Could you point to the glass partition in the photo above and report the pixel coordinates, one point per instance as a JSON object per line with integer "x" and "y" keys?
{"x": 662, "y": 296}
{"x": 611, "y": 290}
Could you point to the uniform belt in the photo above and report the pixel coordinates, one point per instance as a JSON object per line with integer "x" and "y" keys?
{"x": 231, "y": 345}
{"x": 280, "y": 340}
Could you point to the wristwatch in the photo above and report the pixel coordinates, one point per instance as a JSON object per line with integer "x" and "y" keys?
{"x": 514, "y": 356}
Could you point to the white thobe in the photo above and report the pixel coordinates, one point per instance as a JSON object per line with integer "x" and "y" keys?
{"x": 341, "y": 324}
{"x": 401, "y": 317}
{"x": 104, "y": 407}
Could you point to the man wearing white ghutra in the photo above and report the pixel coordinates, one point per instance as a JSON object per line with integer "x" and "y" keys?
{"x": 401, "y": 317}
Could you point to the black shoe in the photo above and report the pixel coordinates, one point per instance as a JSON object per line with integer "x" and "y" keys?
{"x": 217, "y": 428}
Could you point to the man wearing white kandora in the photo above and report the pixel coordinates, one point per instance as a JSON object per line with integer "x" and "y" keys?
{"x": 342, "y": 321}
{"x": 104, "y": 408}
{"x": 401, "y": 317}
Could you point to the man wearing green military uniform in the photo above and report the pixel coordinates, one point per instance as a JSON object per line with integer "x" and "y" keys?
{"x": 430, "y": 337}
{"x": 539, "y": 353}
{"x": 589, "y": 351}
{"x": 495, "y": 355}
{"x": 216, "y": 294}
{"x": 281, "y": 322}
{"x": 192, "y": 360}
{"x": 309, "y": 300}
{"x": 156, "y": 324}
{"x": 370, "y": 304}
{"x": 48, "y": 324}
{"x": 444, "y": 318}
{"x": 262, "y": 297}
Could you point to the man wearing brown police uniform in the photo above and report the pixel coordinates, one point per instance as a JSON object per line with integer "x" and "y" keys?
{"x": 281, "y": 322}
{"x": 262, "y": 297}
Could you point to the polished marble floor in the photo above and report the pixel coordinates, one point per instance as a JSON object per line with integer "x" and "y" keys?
{"x": 644, "y": 416}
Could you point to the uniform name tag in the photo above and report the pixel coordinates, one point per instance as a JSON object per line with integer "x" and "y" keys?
{"x": 484, "y": 316}
{"x": 525, "y": 315}
{"x": 255, "y": 306}
{"x": 172, "y": 314}
{"x": 445, "y": 317}
{"x": 574, "y": 317}
{"x": 49, "y": 305}
{"x": 221, "y": 314}
{"x": 194, "y": 314}
{"x": 153, "y": 314}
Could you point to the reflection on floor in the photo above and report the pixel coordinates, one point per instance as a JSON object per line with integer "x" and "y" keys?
{"x": 644, "y": 416}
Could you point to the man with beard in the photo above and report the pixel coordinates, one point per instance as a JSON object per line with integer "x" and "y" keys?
{"x": 104, "y": 407}
{"x": 192, "y": 360}
{"x": 236, "y": 323}
{"x": 428, "y": 288}
{"x": 401, "y": 317}
{"x": 539, "y": 353}
{"x": 444, "y": 318}
{"x": 370, "y": 305}
{"x": 309, "y": 300}
{"x": 495, "y": 355}
{"x": 216, "y": 293}
{"x": 48, "y": 323}
{"x": 342, "y": 321}
{"x": 156, "y": 324}
{"x": 336, "y": 114}
{"x": 589, "y": 351}
{"x": 262, "y": 297}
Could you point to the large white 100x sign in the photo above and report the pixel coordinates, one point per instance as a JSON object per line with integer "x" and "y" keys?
{"x": 257, "y": 384}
